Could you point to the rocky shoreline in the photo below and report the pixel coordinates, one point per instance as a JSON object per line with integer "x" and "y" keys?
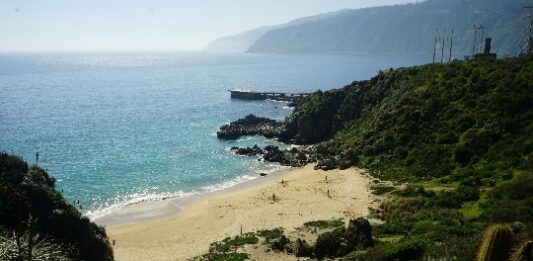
{"x": 293, "y": 157}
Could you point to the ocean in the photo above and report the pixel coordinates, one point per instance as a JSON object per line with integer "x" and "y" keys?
{"x": 120, "y": 128}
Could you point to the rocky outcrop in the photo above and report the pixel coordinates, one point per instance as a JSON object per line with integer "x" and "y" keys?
{"x": 293, "y": 157}
{"x": 250, "y": 125}
{"x": 253, "y": 151}
{"x": 313, "y": 121}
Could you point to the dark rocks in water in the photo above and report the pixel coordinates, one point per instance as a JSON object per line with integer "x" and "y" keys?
{"x": 326, "y": 164}
{"x": 253, "y": 151}
{"x": 273, "y": 154}
{"x": 250, "y": 125}
{"x": 263, "y": 174}
{"x": 358, "y": 235}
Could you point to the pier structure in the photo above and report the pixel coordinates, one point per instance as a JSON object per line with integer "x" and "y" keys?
{"x": 243, "y": 94}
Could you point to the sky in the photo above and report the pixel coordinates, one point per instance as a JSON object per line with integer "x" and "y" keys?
{"x": 151, "y": 25}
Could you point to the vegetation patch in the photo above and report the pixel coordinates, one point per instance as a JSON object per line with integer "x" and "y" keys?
{"x": 270, "y": 235}
{"x": 324, "y": 224}
{"x": 381, "y": 190}
{"x": 226, "y": 250}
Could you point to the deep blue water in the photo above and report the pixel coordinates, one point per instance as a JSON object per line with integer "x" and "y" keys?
{"x": 116, "y": 128}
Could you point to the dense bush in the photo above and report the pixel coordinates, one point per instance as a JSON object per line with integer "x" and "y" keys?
{"x": 28, "y": 199}
{"x": 328, "y": 244}
{"x": 511, "y": 201}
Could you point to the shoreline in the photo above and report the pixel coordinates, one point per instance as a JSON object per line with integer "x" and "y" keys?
{"x": 304, "y": 196}
{"x": 149, "y": 210}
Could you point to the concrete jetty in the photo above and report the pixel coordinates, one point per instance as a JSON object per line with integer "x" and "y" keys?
{"x": 243, "y": 94}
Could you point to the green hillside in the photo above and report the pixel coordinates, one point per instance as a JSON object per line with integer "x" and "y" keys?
{"x": 459, "y": 134}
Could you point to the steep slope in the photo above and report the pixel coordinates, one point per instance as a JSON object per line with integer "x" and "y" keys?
{"x": 403, "y": 29}
{"x": 461, "y": 136}
{"x": 428, "y": 119}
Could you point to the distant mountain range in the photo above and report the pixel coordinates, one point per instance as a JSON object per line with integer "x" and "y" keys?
{"x": 398, "y": 29}
{"x": 243, "y": 41}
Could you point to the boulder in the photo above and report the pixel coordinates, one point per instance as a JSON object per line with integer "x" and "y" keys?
{"x": 358, "y": 235}
{"x": 326, "y": 164}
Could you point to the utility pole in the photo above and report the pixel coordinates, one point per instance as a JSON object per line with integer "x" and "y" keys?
{"x": 442, "y": 47}
{"x": 475, "y": 41}
{"x": 482, "y": 39}
{"x": 435, "y": 45}
{"x": 451, "y": 46}
{"x": 529, "y": 50}
{"x": 479, "y": 30}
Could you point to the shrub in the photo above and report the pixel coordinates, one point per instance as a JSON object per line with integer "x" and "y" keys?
{"x": 332, "y": 223}
{"x": 270, "y": 235}
{"x": 411, "y": 249}
{"x": 328, "y": 243}
{"x": 462, "y": 154}
{"x": 245, "y": 239}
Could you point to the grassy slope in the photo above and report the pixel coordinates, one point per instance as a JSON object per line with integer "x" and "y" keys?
{"x": 461, "y": 132}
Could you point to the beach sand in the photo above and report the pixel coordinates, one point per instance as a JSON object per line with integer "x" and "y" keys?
{"x": 302, "y": 197}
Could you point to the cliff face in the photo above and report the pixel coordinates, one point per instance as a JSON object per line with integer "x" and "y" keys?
{"x": 402, "y": 29}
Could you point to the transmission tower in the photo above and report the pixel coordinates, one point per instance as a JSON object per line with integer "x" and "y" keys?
{"x": 479, "y": 34}
{"x": 435, "y": 45}
{"x": 528, "y": 49}
{"x": 451, "y": 47}
{"x": 439, "y": 46}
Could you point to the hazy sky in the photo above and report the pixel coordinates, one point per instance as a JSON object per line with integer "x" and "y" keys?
{"x": 76, "y": 25}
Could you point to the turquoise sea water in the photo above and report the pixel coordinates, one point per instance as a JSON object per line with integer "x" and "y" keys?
{"x": 120, "y": 128}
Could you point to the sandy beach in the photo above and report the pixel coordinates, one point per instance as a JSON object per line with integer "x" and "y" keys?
{"x": 301, "y": 197}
